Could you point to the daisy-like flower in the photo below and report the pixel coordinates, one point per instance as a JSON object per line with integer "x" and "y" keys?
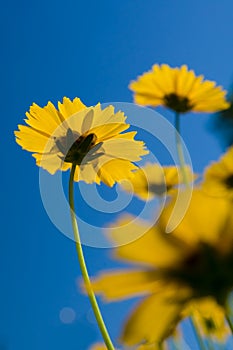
{"x": 153, "y": 180}
{"x": 89, "y": 137}
{"x": 210, "y": 325}
{"x": 178, "y": 89}
{"x": 174, "y": 272}
{"x": 218, "y": 177}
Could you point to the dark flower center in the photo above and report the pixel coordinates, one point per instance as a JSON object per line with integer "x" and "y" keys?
{"x": 73, "y": 150}
{"x": 177, "y": 103}
{"x": 157, "y": 189}
{"x": 229, "y": 181}
{"x": 80, "y": 148}
{"x": 206, "y": 272}
{"x": 210, "y": 325}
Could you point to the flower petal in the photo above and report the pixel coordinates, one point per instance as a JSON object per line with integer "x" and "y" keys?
{"x": 152, "y": 321}
{"x": 148, "y": 247}
{"x": 117, "y": 285}
{"x": 67, "y": 108}
{"x": 204, "y": 221}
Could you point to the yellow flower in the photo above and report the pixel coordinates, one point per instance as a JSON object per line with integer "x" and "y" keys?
{"x": 101, "y": 346}
{"x": 173, "y": 271}
{"x": 178, "y": 89}
{"x": 218, "y": 177}
{"x": 153, "y": 180}
{"x": 98, "y": 346}
{"x": 210, "y": 318}
{"x": 89, "y": 137}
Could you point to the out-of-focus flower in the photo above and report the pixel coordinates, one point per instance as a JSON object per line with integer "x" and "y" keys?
{"x": 218, "y": 177}
{"x": 153, "y": 180}
{"x": 101, "y": 346}
{"x": 88, "y": 137}
{"x": 178, "y": 89}
{"x": 98, "y": 346}
{"x": 210, "y": 318}
{"x": 174, "y": 271}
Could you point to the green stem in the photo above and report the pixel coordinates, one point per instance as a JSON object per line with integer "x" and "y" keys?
{"x": 83, "y": 267}
{"x": 197, "y": 334}
{"x": 210, "y": 344}
{"x": 180, "y": 150}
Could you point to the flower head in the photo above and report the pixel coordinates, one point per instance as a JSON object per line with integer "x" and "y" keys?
{"x": 178, "y": 89}
{"x": 174, "y": 272}
{"x": 153, "y": 180}
{"x": 210, "y": 318}
{"x": 89, "y": 137}
{"x": 218, "y": 177}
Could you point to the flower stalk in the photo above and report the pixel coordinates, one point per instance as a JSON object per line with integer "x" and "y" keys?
{"x": 229, "y": 321}
{"x": 83, "y": 267}
{"x": 180, "y": 150}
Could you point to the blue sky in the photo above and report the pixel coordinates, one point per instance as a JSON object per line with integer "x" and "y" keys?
{"x": 91, "y": 50}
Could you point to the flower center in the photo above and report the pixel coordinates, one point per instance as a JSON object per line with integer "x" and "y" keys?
{"x": 210, "y": 325}
{"x": 73, "y": 150}
{"x": 229, "y": 182}
{"x": 158, "y": 189}
{"x": 206, "y": 272}
{"x": 80, "y": 148}
{"x": 177, "y": 103}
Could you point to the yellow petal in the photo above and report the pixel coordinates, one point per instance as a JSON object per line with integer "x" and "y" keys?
{"x": 218, "y": 177}
{"x": 185, "y": 81}
{"x": 50, "y": 162}
{"x": 44, "y": 119}
{"x": 87, "y": 173}
{"x": 105, "y": 132}
{"x": 204, "y": 221}
{"x": 125, "y": 149}
{"x": 30, "y": 139}
{"x": 116, "y": 285}
{"x": 108, "y": 116}
{"x": 115, "y": 170}
{"x": 152, "y": 320}
{"x": 148, "y": 246}
{"x": 67, "y": 108}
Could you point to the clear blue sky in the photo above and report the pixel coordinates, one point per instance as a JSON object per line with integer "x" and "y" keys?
{"x": 92, "y": 50}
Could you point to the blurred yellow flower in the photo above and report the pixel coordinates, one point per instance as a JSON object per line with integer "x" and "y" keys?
{"x": 174, "y": 271}
{"x": 153, "y": 180}
{"x": 218, "y": 177}
{"x": 101, "y": 346}
{"x": 98, "y": 346}
{"x": 89, "y": 137}
{"x": 210, "y": 318}
{"x": 178, "y": 89}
